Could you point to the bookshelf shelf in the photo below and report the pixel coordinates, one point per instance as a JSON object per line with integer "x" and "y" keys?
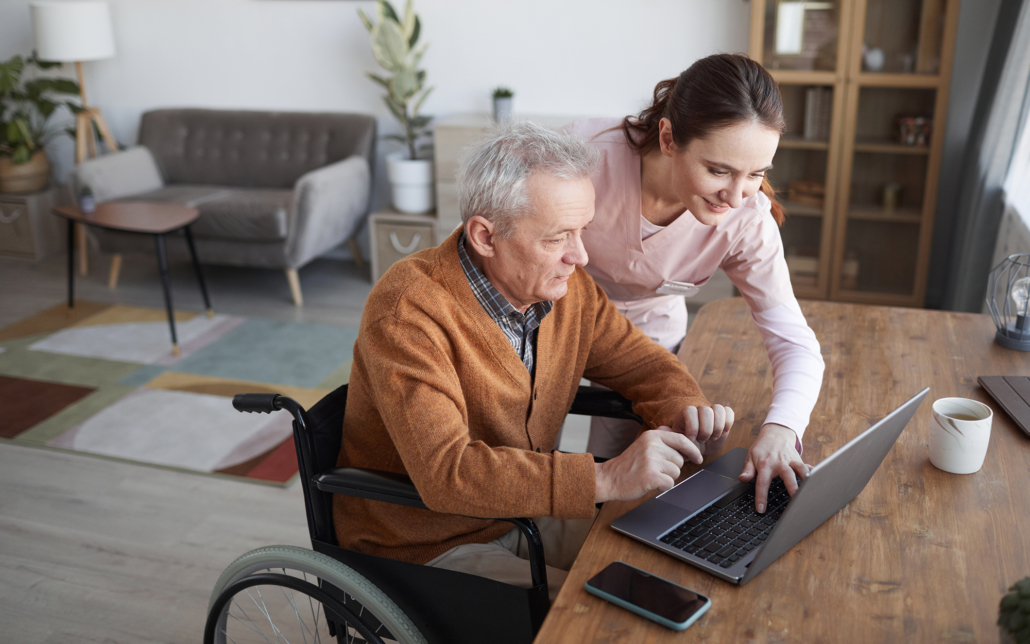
{"x": 865, "y": 88}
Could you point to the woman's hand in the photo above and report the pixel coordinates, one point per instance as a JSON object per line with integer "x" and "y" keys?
{"x": 773, "y": 454}
{"x": 706, "y": 427}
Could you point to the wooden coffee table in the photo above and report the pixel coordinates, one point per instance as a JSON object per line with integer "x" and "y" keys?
{"x": 144, "y": 218}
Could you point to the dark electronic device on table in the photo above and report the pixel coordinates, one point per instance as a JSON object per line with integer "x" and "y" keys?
{"x": 657, "y": 599}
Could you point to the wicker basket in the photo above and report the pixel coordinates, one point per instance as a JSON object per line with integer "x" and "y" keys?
{"x": 25, "y": 178}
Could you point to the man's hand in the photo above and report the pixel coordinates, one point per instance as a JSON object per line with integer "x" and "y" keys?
{"x": 652, "y": 462}
{"x": 773, "y": 454}
{"x": 706, "y": 427}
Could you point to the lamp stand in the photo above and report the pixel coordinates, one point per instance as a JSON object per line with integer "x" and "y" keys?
{"x": 84, "y": 142}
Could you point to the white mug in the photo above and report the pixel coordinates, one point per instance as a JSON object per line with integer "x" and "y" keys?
{"x": 960, "y": 431}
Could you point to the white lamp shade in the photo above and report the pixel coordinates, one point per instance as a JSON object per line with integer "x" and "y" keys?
{"x": 72, "y": 31}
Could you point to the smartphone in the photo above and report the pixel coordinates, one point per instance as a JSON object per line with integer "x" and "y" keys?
{"x": 657, "y": 599}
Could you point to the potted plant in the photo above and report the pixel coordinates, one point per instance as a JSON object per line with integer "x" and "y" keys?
{"x": 503, "y": 104}
{"x": 1014, "y": 613}
{"x": 25, "y": 111}
{"x": 394, "y": 42}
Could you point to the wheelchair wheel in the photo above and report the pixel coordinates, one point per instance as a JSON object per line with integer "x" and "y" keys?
{"x": 264, "y": 607}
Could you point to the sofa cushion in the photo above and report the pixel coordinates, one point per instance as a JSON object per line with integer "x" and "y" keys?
{"x": 237, "y": 214}
{"x": 251, "y": 149}
{"x": 116, "y": 175}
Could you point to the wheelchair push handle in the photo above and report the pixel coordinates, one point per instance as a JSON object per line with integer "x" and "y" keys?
{"x": 257, "y": 403}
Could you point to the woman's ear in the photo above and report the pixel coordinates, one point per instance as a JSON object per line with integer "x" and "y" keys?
{"x": 665, "y": 140}
{"x": 480, "y": 231}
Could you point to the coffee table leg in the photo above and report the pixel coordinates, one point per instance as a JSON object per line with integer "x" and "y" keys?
{"x": 196, "y": 269}
{"x": 71, "y": 266}
{"x": 162, "y": 263}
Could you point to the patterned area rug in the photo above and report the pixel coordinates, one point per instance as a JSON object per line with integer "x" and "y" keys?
{"x": 104, "y": 381}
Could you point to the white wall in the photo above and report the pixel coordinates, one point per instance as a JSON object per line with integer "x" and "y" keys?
{"x": 583, "y": 57}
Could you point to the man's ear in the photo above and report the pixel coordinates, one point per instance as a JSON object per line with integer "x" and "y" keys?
{"x": 480, "y": 231}
{"x": 665, "y": 140}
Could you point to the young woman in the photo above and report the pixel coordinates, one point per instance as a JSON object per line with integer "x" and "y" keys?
{"x": 680, "y": 192}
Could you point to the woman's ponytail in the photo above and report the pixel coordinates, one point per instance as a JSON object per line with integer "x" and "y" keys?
{"x": 642, "y": 131}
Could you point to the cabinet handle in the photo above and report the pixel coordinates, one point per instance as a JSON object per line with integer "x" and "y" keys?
{"x": 4, "y": 219}
{"x": 405, "y": 250}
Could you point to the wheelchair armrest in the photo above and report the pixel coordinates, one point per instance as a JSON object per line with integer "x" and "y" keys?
{"x": 595, "y": 401}
{"x": 371, "y": 484}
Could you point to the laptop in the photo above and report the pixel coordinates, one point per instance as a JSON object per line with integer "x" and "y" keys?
{"x": 709, "y": 520}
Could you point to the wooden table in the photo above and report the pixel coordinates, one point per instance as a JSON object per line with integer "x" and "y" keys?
{"x": 919, "y": 556}
{"x": 157, "y": 219}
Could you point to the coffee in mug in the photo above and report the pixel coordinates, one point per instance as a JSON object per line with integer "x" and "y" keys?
{"x": 960, "y": 431}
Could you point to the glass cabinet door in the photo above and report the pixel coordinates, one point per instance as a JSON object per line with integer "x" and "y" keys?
{"x": 903, "y": 36}
{"x": 800, "y": 174}
{"x": 801, "y": 35}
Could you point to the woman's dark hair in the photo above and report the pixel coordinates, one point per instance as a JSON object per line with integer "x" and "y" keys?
{"x": 715, "y": 92}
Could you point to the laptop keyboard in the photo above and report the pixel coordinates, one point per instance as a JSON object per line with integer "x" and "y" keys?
{"x": 730, "y": 528}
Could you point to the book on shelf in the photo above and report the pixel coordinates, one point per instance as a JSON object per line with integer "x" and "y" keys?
{"x": 818, "y": 113}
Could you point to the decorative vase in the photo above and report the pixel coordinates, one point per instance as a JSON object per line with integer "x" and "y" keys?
{"x": 502, "y": 108}
{"x": 411, "y": 183}
{"x": 25, "y": 178}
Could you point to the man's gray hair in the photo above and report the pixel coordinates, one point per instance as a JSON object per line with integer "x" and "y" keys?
{"x": 492, "y": 177}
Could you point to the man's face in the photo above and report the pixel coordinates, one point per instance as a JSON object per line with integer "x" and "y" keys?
{"x": 535, "y": 263}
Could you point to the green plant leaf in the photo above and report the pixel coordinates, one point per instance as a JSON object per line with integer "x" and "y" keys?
{"x": 420, "y": 122}
{"x": 396, "y": 137}
{"x": 388, "y": 46}
{"x": 404, "y": 84}
{"x": 366, "y": 20}
{"x": 385, "y": 82}
{"x": 396, "y": 110}
{"x": 408, "y": 22}
{"x": 46, "y": 107}
{"x": 10, "y": 73}
{"x": 416, "y": 57}
{"x": 22, "y": 154}
{"x": 418, "y": 103}
{"x": 386, "y": 11}
{"x": 415, "y": 31}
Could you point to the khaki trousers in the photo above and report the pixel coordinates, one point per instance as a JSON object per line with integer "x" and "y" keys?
{"x": 506, "y": 559}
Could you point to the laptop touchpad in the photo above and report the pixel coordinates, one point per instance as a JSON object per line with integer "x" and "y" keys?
{"x": 698, "y": 491}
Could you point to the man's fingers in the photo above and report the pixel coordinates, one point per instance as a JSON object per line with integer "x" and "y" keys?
{"x": 692, "y": 422}
{"x": 683, "y": 445}
{"x": 706, "y": 418}
{"x": 786, "y": 472}
{"x": 730, "y": 417}
{"x": 719, "y": 422}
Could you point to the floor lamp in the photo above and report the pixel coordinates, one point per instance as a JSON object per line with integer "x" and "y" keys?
{"x": 73, "y": 32}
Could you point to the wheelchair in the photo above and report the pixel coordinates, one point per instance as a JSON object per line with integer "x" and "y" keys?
{"x": 292, "y": 594}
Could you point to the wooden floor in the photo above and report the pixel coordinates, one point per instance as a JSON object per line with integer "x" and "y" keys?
{"x": 93, "y": 550}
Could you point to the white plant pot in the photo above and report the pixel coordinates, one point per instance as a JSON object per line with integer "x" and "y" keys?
{"x": 411, "y": 183}
{"x": 502, "y": 108}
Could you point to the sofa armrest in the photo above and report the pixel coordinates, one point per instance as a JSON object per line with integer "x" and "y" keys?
{"x": 119, "y": 174}
{"x": 329, "y": 205}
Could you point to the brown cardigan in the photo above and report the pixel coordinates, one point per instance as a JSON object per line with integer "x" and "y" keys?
{"x": 437, "y": 392}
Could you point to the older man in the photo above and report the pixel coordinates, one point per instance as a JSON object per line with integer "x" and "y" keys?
{"x": 467, "y": 361}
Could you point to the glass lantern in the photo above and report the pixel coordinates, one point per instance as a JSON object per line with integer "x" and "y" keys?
{"x": 1008, "y": 295}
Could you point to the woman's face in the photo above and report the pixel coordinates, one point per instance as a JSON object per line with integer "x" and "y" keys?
{"x": 715, "y": 174}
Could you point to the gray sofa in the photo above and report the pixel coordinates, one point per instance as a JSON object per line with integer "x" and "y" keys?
{"x": 274, "y": 189}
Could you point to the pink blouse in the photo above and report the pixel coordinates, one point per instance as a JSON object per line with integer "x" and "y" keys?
{"x": 746, "y": 246}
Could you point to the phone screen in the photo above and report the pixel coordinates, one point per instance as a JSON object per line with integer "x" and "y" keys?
{"x": 651, "y": 593}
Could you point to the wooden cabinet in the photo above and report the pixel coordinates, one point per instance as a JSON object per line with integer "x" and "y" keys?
{"x": 865, "y": 95}
{"x": 396, "y": 235}
{"x": 28, "y": 228}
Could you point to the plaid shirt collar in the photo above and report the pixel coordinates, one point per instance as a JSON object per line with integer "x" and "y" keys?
{"x": 519, "y": 328}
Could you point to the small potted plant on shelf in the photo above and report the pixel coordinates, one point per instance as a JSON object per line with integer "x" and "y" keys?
{"x": 26, "y": 107}
{"x": 1014, "y": 613}
{"x": 503, "y": 98}
{"x": 394, "y": 41}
